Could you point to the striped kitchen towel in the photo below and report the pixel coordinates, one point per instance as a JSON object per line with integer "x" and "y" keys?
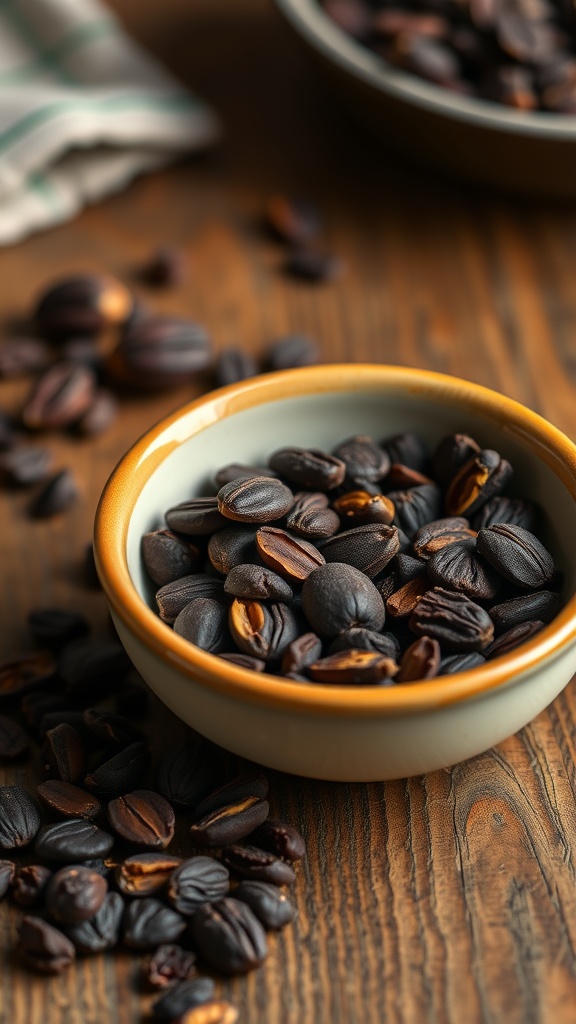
{"x": 82, "y": 110}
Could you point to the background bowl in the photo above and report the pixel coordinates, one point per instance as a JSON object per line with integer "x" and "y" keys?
{"x": 335, "y": 732}
{"x": 469, "y": 137}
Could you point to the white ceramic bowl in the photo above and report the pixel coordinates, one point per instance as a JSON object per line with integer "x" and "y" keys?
{"x": 487, "y": 142}
{"x": 335, "y": 732}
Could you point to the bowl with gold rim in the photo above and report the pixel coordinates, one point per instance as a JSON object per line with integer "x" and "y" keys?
{"x": 349, "y": 731}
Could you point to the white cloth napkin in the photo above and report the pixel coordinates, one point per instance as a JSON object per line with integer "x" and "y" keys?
{"x": 83, "y": 109}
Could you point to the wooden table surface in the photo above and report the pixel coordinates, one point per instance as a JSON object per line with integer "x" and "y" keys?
{"x": 449, "y": 897}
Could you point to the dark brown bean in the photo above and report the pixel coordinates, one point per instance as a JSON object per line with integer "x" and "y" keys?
{"x": 482, "y": 477}
{"x": 512, "y": 638}
{"x": 185, "y": 775}
{"x": 337, "y": 597}
{"x": 453, "y": 619}
{"x": 68, "y": 801}
{"x": 301, "y": 653}
{"x": 159, "y": 352}
{"x": 434, "y": 536}
{"x": 147, "y": 923}
{"x": 30, "y": 884}
{"x": 58, "y": 494}
{"x": 258, "y": 583}
{"x": 516, "y": 554}
{"x": 279, "y": 838}
{"x": 459, "y": 567}
{"x": 196, "y": 881}
{"x": 229, "y": 824}
{"x": 181, "y": 998}
{"x": 19, "y": 817}
{"x": 145, "y": 873}
{"x": 408, "y": 450}
{"x": 453, "y": 663}
{"x": 250, "y": 784}
{"x": 144, "y": 818}
{"x": 368, "y": 548}
{"x": 351, "y": 667}
{"x": 262, "y": 630}
{"x": 542, "y": 605}
{"x": 404, "y": 477}
{"x": 61, "y": 396}
{"x": 251, "y": 862}
{"x": 309, "y": 468}
{"x": 235, "y": 545}
{"x": 501, "y": 509}
{"x": 415, "y": 507}
{"x": 72, "y": 840}
{"x": 169, "y": 964}
{"x": 168, "y": 557}
{"x": 258, "y": 499}
{"x": 271, "y": 906}
{"x": 403, "y": 601}
{"x": 75, "y": 894}
{"x": 362, "y": 639}
{"x": 13, "y": 740}
{"x": 291, "y": 557}
{"x": 43, "y": 947}
{"x": 359, "y": 508}
{"x": 63, "y": 754}
{"x": 121, "y": 772}
{"x": 451, "y": 453}
{"x": 310, "y": 517}
{"x": 173, "y": 597}
{"x": 229, "y": 936}
{"x": 196, "y": 517}
{"x": 102, "y": 931}
{"x": 204, "y": 622}
{"x": 420, "y": 661}
{"x": 82, "y": 306}
{"x": 365, "y": 461}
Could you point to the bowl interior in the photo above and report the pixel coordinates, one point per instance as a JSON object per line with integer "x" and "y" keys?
{"x": 185, "y": 463}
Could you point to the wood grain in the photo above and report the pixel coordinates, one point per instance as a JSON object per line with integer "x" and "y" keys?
{"x": 447, "y": 898}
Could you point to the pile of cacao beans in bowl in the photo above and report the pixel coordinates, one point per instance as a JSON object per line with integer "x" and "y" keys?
{"x": 348, "y": 572}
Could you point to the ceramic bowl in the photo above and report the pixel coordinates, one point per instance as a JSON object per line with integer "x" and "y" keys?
{"x": 325, "y": 731}
{"x": 522, "y": 151}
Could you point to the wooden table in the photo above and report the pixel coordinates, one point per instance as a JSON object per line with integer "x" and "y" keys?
{"x": 449, "y": 897}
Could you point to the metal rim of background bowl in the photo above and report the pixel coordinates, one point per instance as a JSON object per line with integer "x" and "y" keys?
{"x": 309, "y": 20}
